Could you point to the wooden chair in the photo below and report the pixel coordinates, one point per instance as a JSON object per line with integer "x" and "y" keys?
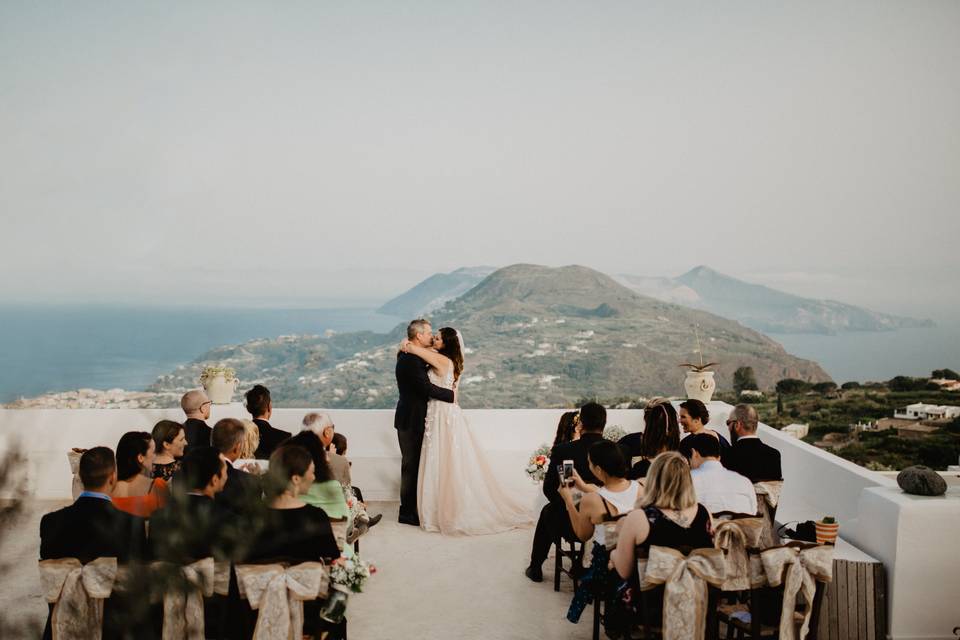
{"x": 756, "y": 601}
{"x": 651, "y": 603}
{"x": 575, "y": 553}
{"x": 247, "y": 616}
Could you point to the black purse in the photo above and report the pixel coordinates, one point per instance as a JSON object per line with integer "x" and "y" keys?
{"x": 806, "y": 531}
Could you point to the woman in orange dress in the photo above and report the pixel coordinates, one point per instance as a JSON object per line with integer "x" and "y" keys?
{"x": 136, "y": 492}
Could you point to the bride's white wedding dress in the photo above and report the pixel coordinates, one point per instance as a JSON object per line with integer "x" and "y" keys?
{"x": 457, "y": 492}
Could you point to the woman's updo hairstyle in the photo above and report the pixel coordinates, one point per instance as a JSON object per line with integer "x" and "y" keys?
{"x": 451, "y": 349}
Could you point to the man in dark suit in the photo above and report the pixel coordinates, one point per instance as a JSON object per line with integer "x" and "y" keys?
{"x": 749, "y": 456}
{"x": 92, "y": 527}
{"x": 192, "y": 525}
{"x": 411, "y": 415}
{"x": 196, "y": 406}
{"x": 553, "y": 517}
{"x": 243, "y": 490}
{"x": 261, "y": 408}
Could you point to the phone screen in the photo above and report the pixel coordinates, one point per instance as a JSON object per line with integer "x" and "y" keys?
{"x": 568, "y": 471}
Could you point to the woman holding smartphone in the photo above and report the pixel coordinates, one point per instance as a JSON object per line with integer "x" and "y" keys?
{"x": 615, "y": 496}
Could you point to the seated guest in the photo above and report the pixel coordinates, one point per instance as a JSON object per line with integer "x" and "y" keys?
{"x": 261, "y": 408}
{"x": 322, "y": 425}
{"x": 196, "y": 406}
{"x": 92, "y": 527}
{"x": 338, "y": 445}
{"x": 567, "y": 428}
{"x": 553, "y": 521}
{"x": 693, "y": 417}
{"x": 717, "y": 488}
{"x": 668, "y": 515}
{"x": 615, "y": 496}
{"x": 137, "y": 492}
{"x": 192, "y": 526}
{"x": 325, "y": 492}
{"x": 749, "y": 456}
{"x": 293, "y": 529}
{"x": 243, "y": 489}
{"x": 170, "y": 442}
{"x": 660, "y": 433}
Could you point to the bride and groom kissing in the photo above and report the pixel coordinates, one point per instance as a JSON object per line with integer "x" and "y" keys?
{"x": 446, "y": 483}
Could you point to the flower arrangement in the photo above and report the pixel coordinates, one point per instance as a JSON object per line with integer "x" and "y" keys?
{"x": 209, "y": 373}
{"x": 539, "y": 460}
{"x": 351, "y": 573}
{"x": 614, "y": 433}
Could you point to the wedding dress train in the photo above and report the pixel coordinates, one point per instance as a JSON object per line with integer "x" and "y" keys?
{"x": 457, "y": 492}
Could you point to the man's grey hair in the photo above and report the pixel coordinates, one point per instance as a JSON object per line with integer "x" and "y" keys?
{"x": 747, "y": 416}
{"x": 416, "y": 327}
{"x": 317, "y": 422}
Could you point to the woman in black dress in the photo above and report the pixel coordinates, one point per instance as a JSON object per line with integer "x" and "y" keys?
{"x": 668, "y": 515}
{"x": 292, "y": 529}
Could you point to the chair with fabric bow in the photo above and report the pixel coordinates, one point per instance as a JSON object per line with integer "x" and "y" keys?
{"x": 277, "y": 590}
{"x": 686, "y": 582}
{"x": 768, "y": 498}
{"x": 799, "y": 572}
{"x": 740, "y": 537}
{"x": 76, "y": 593}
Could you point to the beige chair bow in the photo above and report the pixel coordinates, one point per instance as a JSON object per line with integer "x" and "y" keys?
{"x": 76, "y": 486}
{"x": 797, "y": 568}
{"x": 278, "y": 593}
{"x": 221, "y": 578}
{"x": 770, "y": 490}
{"x": 768, "y": 497}
{"x": 685, "y": 580}
{"x": 183, "y": 599}
{"x": 734, "y": 537}
{"x": 77, "y": 592}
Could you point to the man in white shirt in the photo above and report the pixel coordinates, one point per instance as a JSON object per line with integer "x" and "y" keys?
{"x": 718, "y": 488}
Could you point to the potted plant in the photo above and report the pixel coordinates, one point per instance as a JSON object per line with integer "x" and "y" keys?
{"x": 219, "y": 382}
{"x": 699, "y": 383}
{"x": 827, "y": 530}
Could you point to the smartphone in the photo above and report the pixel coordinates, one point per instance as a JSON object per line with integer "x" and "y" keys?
{"x": 568, "y": 472}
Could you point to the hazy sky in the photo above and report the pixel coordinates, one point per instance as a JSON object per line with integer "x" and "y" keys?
{"x": 300, "y": 151}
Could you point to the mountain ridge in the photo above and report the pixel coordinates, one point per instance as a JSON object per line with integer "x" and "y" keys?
{"x": 535, "y": 337}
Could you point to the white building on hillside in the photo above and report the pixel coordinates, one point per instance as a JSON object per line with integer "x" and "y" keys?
{"x": 798, "y": 431}
{"x": 921, "y": 411}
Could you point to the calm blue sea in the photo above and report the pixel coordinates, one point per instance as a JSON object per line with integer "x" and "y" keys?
{"x": 880, "y": 355}
{"x": 51, "y": 348}
{"x": 54, "y": 348}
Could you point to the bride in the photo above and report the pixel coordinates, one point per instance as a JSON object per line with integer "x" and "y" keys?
{"x": 457, "y": 492}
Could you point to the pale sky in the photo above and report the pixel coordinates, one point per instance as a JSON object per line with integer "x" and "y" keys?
{"x": 317, "y": 151}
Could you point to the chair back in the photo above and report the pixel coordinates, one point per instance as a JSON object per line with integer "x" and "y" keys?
{"x": 687, "y": 580}
{"x": 277, "y": 591}
{"x": 768, "y": 498}
{"x": 340, "y": 526}
{"x": 77, "y": 592}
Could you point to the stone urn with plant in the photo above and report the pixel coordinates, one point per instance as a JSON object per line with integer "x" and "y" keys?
{"x": 219, "y": 382}
{"x": 699, "y": 383}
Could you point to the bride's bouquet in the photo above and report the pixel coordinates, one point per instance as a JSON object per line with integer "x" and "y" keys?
{"x": 537, "y": 466}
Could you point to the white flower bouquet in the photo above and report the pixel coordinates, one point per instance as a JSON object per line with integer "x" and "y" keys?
{"x": 351, "y": 573}
{"x": 614, "y": 432}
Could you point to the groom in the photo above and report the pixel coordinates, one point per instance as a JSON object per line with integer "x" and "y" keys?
{"x": 409, "y": 420}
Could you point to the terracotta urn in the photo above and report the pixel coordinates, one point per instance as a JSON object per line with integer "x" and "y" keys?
{"x": 700, "y": 385}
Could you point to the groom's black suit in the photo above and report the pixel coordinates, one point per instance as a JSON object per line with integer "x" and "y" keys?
{"x": 409, "y": 421}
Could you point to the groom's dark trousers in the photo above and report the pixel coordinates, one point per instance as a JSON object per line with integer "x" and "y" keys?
{"x": 415, "y": 390}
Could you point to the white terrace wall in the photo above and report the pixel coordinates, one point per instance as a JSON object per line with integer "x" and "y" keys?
{"x": 912, "y": 536}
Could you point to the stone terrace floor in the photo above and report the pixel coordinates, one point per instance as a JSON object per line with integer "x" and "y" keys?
{"x": 428, "y": 586}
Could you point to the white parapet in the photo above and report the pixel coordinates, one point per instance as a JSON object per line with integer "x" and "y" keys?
{"x": 912, "y": 536}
